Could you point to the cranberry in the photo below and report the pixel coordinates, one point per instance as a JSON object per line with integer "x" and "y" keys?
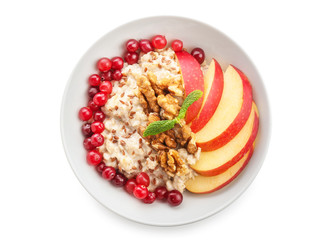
{"x": 140, "y": 191}
{"x": 143, "y": 178}
{"x": 109, "y": 173}
{"x": 92, "y": 91}
{"x": 100, "y": 98}
{"x": 145, "y": 45}
{"x": 159, "y": 42}
{"x": 99, "y": 116}
{"x": 106, "y": 87}
{"x": 93, "y": 106}
{"x": 119, "y": 180}
{"x": 86, "y": 129}
{"x": 132, "y": 45}
{"x": 151, "y": 197}
{"x": 94, "y": 80}
{"x": 174, "y": 198}
{"x": 94, "y": 157}
{"x": 97, "y": 139}
{"x": 88, "y": 144}
{"x": 117, "y": 63}
{"x": 131, "y": 58}
{"x": 116, "y": 75}
{"x": 130, "y": 185}
{"x": 105, "y": 76}
{"x": 161, "y": 193}
{"x": 104, "y": 64}
{"x": 198, "y": 54}
{"x": 100, "y": 167}
{"x": 97, "y": 127}
{"x": 85, "y": 114}
{"x": 177, "y": 45}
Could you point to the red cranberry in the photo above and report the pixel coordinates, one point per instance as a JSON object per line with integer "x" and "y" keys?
{"x": 161, "y": 193}
{"x": 109, "y": 173}
{"x": 105, "y": 76}
{"x": 145, "y": 45}
{"x": 131, "y": 58}
{"x": 100, "y": 98}
{"x": 198, "y": 54}
{"x": 97, "y": 127}
{"x": 159, "y": 42}
{"x": 92, "y": 91}
{"x": 177, "y": 45}
{"x": 174, "y": 197}
{"x": 88, "y": 144}
{"x": 119, "y": 180}
{"x": 86, "y": 129}
{"x": 140, "y": 191}
{"x": 132, "y": 45}
{"x": 143, "y": 178}
{"x": 106, "y": 87}
{"x": 94, "y": 157}
{"x": 151, "y": 197}
{"x": 100, "y": 167}
{"x": 99, "y": 116}
{"x": 117, "y": 75}
{"x": 94, "y": 80}
{"x": 93, "y": 106}
{"x": 85, "y": 114}
{"x": 104, "y": 64}
{"x": 117, "y": 63}
{"x": 130, "y": 185}
{"x": 97, "y": 139}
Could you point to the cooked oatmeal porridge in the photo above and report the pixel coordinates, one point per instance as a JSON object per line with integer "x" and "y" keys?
{"x": 132, "y": 106}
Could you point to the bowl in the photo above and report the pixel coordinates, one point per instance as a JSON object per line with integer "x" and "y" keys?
{"x": 195, "y": 206}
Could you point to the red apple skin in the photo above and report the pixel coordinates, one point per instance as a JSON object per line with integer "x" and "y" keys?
{"x": 238, "y": 122}
{"x": 193, "y": 80}
{"x": 212, "y": 101}
{"x": 238, "y": 156}
{"x": 233, "y": 177}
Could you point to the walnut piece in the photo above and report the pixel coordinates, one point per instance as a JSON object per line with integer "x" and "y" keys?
{"x": 170, "y": 105}
{"x": 142, "y": 100}
{"x": 191, "y": 146}
{"x": 172, "y": 163}
{"x": 148, "y": 92}
{"x": 153, "y": 81}
{"x": 163, "y": 141}
{"x": 153, "y": 117}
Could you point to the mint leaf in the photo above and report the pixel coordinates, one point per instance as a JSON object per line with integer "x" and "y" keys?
{"x": 159, "y": 127}
{"x": 190, "y": 99}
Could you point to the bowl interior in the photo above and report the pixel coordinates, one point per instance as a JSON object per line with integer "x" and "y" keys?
{"x": 192, "y": 33}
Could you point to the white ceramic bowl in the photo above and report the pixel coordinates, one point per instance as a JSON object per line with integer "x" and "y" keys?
{"x": 194, "y": 207}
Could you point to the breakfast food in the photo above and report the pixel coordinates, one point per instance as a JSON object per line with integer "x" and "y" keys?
{"x": 161, "y": 120}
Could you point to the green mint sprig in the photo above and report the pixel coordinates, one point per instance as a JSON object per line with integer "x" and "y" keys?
{"x": 157, "y": 127}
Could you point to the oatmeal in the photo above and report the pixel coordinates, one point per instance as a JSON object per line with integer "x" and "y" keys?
{"x": 150, "y": 90}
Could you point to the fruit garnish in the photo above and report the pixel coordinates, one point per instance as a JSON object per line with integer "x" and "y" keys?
{"x": 157, "y": 127}
{"x": 198, "y": 54}
{"x": 159, "y": 42}
{"x": 177, "y": 45}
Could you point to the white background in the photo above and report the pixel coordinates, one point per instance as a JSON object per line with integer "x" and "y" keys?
{"x": 40, "y": 43}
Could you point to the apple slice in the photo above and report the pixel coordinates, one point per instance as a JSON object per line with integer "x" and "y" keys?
{"x": 202, "y": 184}
{"x": 231, "y": 114}
{"x": 193, "y": 80}
{"x": 213, "y": 86}
{"x": 217, "y": 161}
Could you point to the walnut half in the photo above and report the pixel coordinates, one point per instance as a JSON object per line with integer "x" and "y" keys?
{"x": 170, "y": 105}
{"x": 172, "y": 163}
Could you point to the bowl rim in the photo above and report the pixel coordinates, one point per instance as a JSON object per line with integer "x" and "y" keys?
{"x": 210, "y": 213}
